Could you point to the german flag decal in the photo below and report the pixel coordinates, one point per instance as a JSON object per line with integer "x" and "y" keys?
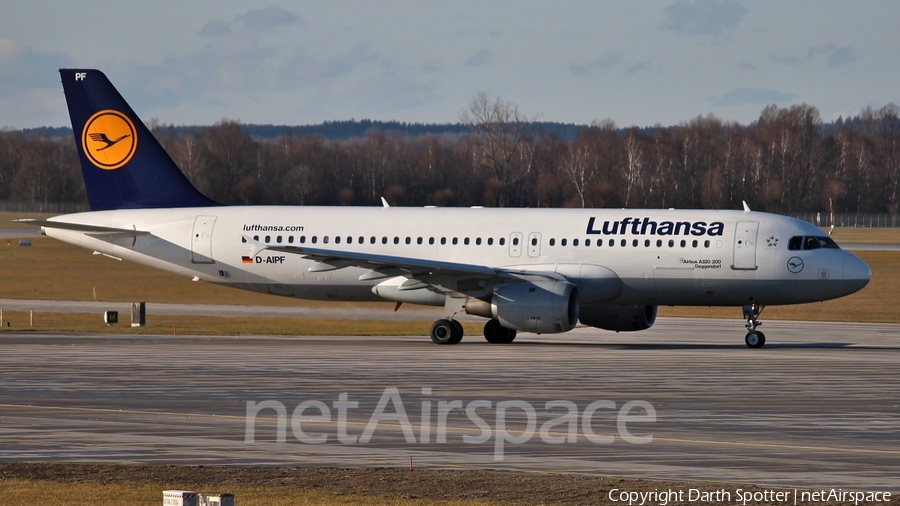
{"x": 246, "y": 260}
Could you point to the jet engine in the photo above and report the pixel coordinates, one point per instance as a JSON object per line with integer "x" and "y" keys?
{"x": 542, "y": 307}
{"x": 619, "y": 318}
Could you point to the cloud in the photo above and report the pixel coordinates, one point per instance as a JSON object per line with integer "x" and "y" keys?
{"x": 23, "y": 69}
{"x": 835, "y": 56}
{"x": 841, "y": 56}
{"x": 215, "y": 28}
{"x": 306, "y": 68}
{"x": 753, "y": 96}
{"x": 791, "y": 61}
{"x": 599, "y": 66}
{"x": 480, "y": 58}
{"x": 702, "y": 17}
{"x": 639, "y": 66}
{"x": 267, "y": 19}
{"x": 260, "y": 20}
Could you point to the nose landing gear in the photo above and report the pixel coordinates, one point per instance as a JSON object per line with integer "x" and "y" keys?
{"x": 754, "y": 338}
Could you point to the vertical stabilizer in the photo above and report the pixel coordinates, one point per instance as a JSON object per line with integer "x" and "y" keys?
{"x": 124, "y": 167}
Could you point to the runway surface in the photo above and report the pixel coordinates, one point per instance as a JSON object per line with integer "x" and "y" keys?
{"x": 818, "y": 406}
{"x": 406, "y": 313}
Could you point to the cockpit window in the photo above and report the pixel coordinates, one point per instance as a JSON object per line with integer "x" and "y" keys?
{"x": 827, "y": 242}
{"x": 811, "y": 242}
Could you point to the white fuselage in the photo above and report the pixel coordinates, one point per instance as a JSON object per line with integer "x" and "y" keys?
{"x": 663, "y": 257}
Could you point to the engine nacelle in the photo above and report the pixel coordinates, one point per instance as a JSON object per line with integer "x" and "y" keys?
{"x": 542, "y": 307}
{"x": 619, "y": 318}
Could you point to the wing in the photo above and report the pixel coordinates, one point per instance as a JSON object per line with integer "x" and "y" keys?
{"x": 440, "y": 276}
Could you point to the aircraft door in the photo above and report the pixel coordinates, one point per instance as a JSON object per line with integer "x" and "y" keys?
{"x": 201, "y": 240}
{"x": 534, "y": 244}
{"x": 515, "y": 244}
{"x": 745, "y": 245}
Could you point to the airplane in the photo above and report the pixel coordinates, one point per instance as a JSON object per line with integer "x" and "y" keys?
{"x": 524, "y": 270}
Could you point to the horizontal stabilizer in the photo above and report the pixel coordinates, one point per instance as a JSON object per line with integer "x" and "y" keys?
{"x": 82, "y": 227}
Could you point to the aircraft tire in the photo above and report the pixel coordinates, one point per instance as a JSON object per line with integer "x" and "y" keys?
{"x": 755, "y": 339}
{"x": 442, "y": 332}
{"x": 495, "y": 333}
{"x": 458, "y": 331}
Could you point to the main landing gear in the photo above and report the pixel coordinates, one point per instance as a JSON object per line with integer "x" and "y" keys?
{"x": 754, "y": 338}
{"x": 498, "y": 334}
{"x": 446, "y": 331}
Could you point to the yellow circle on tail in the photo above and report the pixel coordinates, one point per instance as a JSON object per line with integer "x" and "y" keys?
{"x": 109, "y": 139}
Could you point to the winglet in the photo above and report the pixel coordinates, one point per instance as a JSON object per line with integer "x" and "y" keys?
{"x": 746, "y": 207}
{"x": 384, "y": 203}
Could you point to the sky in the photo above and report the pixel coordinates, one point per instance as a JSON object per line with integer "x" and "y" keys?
{"x": 638, "y": 63}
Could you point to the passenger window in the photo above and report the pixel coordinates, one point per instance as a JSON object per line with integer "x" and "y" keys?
{"x": 302, "y": 239}
{"x": 443, "y": 240}
{"x": 659, "y": 243}
{"x": 419, "y": 240}
{"x": 362, "y": 240}
{"x": 325, "y": 239}
{"x": 243, "y": 239}
{"x": 612, "y": 243}
{"x": 315, "y": 239}
{"x": 574, "y": 242}
{"x": 671, "y": 243}
{"x": 290, "y": 239}
{"x": 408, "y": 240}
{"x": 466, "y": 241}
{"x": 552, "y": 242}
{"x": 534, "y": 241}
{"x": 515, "y": 241}
{"x": 624, "y": 243}
{"x": 431, "y": 240}
{"x": 383, "y": 240}
{"x": 349, "y": 239}
{"x": 396, "y": 240}
{"x": 706, "y": 243}
{"x": 455, "y": 241}
{"x": 683, "y": 243}
{"x": 634, "y": 243}
{"x": 646, "y": 243}
{"x": 562, "y": 242}
{"x": 278, "y": 239}
{"x": 587, "y": 242}
{"x": 490, "y": 241}
{"x": 371, "y": 240}
{"x": 268, "y": 238}
{"x": 502, "y": 241}
{"x": 795, "y": 243}
{"x": 478, "y": 241}
{"x": 255, "y": 237}
{"x": 337, "y": 239}
{"x": 694, "y": 243}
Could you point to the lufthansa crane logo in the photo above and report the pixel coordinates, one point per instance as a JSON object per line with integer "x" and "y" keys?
{"x": 109, "y": 139}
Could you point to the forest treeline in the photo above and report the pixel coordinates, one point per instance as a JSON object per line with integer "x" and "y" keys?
{"x": 786, "y": 161}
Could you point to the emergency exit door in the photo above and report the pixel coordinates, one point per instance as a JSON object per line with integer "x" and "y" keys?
{"x": 201, "y": 240}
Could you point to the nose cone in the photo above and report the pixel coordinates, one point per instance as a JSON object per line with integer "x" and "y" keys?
{"x": 856, "y": 273}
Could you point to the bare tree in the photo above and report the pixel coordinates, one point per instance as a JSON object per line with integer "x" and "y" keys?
{"x": 501, "y": 132}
